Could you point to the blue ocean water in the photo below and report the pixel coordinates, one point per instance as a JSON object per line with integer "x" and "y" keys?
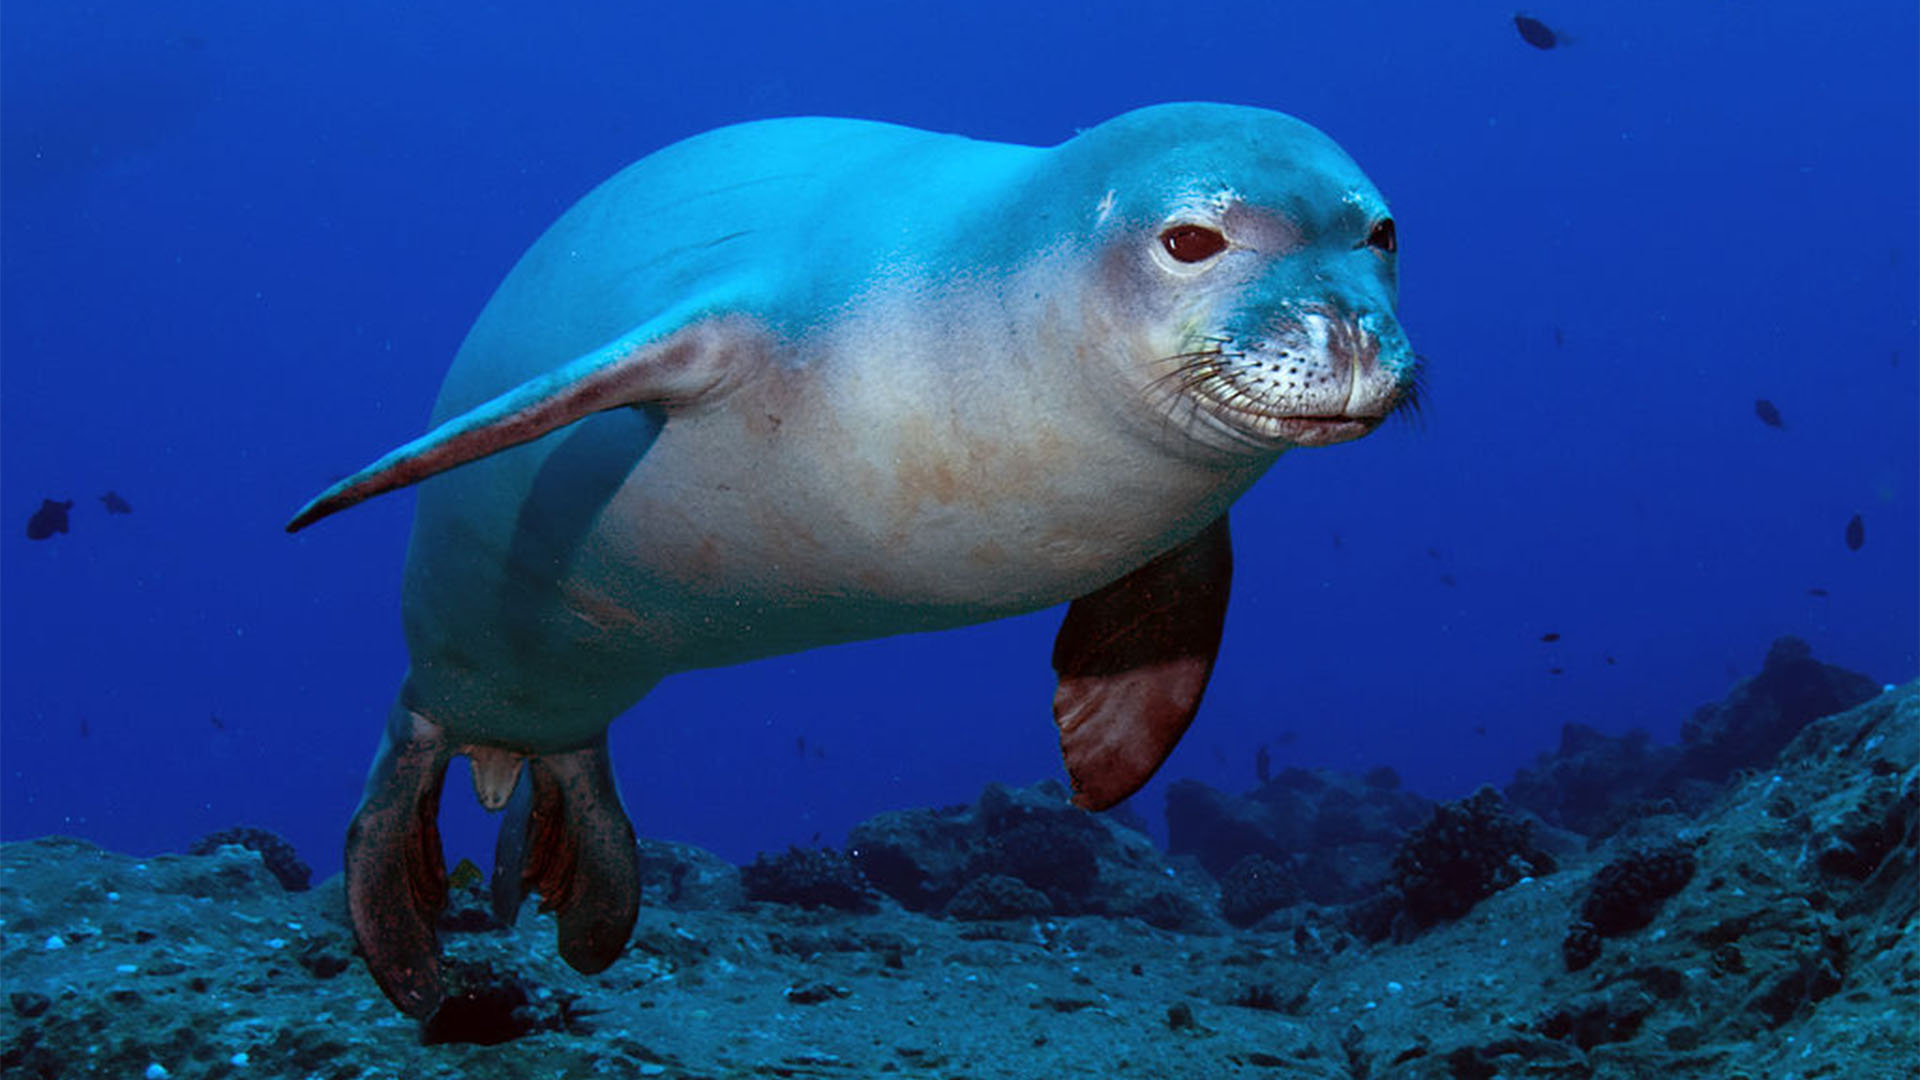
{"x": 241, "y": 242}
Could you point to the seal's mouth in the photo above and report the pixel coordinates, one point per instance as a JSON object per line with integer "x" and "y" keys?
{"x": 1232, "y": 406}
{"x": 1325, "y": 430}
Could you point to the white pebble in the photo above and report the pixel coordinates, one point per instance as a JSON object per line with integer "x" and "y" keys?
{"x": 126, "y": 969}
{"x": 56, "y": 942}
{"x": 1394, "y": 988}
{"x": 276, "y": 943}
{"x": 238, "y": 1060}
{"x": 652, "y": 1068}
{"x": 113, "y": 897}
{"x": 156, "y": 1071}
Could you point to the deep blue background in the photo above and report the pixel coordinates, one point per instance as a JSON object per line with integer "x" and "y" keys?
{"x": 242, "y": 242}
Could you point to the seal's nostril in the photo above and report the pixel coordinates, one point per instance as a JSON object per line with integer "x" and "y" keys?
{"x": 1352, "y": 345}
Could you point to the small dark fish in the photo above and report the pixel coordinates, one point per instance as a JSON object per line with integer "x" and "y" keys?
{"x": 49, "y": 519}
{"x": 1433, "y": 553}
{"x": 218, "y": 724}
{"x": 1768, "y": 414}
{"x": 84, "y": 730}
{"x": 115, "y": 504}
{"x": 1816, "y": 591}
{"x": 1262, "y": 764}
{"x": 1556, "y": 671}
{"x": 1610, "y": 661}
{"x": 1479, "y": 729}
{"x": 1856, "y": 532}
{"x": 1559, "y": 337}
{"x": 1535, "y": 33}
{"x": 464, "y": 875}
{"x": 800, "y": 745}
{"x": 1550, "y": 636}
{"x": 1447, "y": 580}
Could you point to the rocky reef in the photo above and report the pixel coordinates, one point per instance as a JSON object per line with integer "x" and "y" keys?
{"x": 1757, "y": 924}
{"x": 1025, "y": 852}
{"x": 1594, "y": 784}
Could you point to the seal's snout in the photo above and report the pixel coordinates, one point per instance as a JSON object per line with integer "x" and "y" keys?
{"x": 1349, "y": 345}
{"x": 1314, "y": 378}
{"x": 1368, "y": 374}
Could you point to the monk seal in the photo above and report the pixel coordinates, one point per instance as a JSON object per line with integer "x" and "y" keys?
{"x": 806, "y": 381}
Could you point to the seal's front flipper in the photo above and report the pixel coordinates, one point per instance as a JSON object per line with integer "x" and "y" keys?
{"x": 1133, "y": 660}
{"x": 396, "y": 875}
{"x": 669, "y": 361}
{"x": 567, "y": 837}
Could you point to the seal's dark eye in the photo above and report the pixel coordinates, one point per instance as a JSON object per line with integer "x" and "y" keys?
{"x": 1381, "y": 236}
{"x": 1193, "y": 243}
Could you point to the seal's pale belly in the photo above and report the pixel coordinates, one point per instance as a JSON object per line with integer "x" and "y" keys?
{"x": 908, "y": 527}
{"x": 771, "y": 525}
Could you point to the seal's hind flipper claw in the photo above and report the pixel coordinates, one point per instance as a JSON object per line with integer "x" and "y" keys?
{"x": 1133, "y": 659}
{"x": 396, "y": 874}
{"x": 568, "y": 838}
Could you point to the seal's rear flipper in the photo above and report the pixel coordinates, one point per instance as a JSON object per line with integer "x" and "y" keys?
{"x": 672, "y": 360}
{"x": 396, "y": 875}
{"x": 1133, "y": 660}
{"x": 567, "y": 837}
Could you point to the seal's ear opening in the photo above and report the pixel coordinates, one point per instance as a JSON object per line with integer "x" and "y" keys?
{"x": 1382, "y": 237}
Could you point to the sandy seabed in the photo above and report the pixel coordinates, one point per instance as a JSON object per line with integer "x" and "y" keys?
{"x": 1769, "y": 963}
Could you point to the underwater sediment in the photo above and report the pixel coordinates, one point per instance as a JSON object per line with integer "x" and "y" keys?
{"x": 1746, "y": 908}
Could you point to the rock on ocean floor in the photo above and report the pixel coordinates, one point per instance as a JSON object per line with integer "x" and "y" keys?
{"x": 1786, "y": 950}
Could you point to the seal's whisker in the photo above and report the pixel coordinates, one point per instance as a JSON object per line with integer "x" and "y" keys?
{"x": 1209, "y": 381}
{"x": 1169, "y": 389}
{"x": 1178, "y": 388}
{"x": 1411, "y": 408}
{"x": 1189, "y": 369}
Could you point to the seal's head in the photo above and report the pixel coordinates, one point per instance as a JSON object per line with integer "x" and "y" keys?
{"x": 1249, "y": 267}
